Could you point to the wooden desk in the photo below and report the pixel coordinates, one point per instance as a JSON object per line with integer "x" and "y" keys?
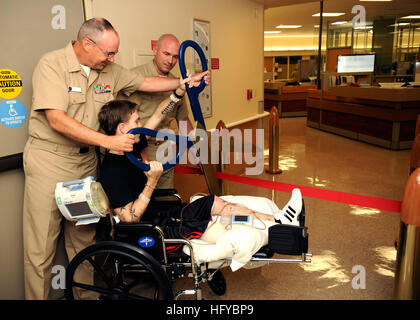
{"x": 381, "y": 116}
{"x": 289, "y": 100}
{"x": 402, "y": 94}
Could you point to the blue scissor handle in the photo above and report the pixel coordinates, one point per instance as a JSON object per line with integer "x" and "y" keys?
{"x": 194, "y": 91}
{"x": 167, "y": 136}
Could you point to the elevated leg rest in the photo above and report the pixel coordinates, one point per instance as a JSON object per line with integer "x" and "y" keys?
{"x": 285, "y": 239}
{"x": 289, "y": 239}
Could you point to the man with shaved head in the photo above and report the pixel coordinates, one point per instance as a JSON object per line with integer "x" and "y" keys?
{"x": 70, "y": 86}
{"x": 165, "y": 59}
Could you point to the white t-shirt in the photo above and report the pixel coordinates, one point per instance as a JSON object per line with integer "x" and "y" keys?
{"x": 86, "y": 69}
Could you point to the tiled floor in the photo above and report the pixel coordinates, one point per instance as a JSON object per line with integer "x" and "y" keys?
{"x": 346, "y": 241}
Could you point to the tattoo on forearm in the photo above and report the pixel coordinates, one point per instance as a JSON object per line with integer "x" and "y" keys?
{"x": 133, "y": 213}
{"x": 169, "y": 107}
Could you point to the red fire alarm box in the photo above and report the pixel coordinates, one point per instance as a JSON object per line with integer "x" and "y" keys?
{"x": 215, "y": 63}
{"x": 249, "y": 94}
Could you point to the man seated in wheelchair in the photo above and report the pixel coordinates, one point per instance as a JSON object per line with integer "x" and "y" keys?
{"x": 129, "y": 188}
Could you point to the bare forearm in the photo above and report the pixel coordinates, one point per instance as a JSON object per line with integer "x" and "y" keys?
{"x": 133, "y": 211}
{"x": 142, "y": 202}
{"x": 165, "y": 107}
{"x": 158, "y": 84}
{"x": 60, "y": 122}
{"x": 69, "y": 127}
{"x": 157, "y": 116}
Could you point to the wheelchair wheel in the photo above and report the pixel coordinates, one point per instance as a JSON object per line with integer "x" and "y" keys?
{"x": 218, "y": 283}
{"x": 122, "y": 272}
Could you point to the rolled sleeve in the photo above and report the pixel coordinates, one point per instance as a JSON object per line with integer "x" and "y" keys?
{"x": 128, "y": 81}
{"x": 49, "y": 87}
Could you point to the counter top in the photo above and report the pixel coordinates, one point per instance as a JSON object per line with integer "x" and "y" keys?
{"x": 377, "y": 93}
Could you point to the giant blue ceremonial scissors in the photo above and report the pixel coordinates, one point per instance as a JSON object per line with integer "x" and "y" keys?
{"x": 166, "y": 136}
{"x": 193, "y": 94}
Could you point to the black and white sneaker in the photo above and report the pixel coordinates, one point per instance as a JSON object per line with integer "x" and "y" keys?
{"x": 290, "y": 213}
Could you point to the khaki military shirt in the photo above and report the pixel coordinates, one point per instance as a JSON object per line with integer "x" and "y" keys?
{"x": 148, "y": 101}
{"x": 60, "y": 83}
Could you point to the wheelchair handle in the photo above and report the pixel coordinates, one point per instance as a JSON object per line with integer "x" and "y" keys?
{"x": 193, "y": 92}
{"x": 167, "y": 136}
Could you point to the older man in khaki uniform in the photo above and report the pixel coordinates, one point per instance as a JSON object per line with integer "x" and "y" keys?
{"x": 165, "y": 59}
{"x": 70, "y": 86}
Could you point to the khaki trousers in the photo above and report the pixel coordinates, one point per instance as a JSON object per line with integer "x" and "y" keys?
{"x": 166, "y": 180}
{"x": 45, "y": 164}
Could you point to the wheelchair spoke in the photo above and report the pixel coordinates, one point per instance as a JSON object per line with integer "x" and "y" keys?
{"x": 136, "y": 282}
{"x": 156, "y": 297}
{"x": 140, "y": 279}
{"x": 136, "y": 297}
{"x": 92, "y": 288}
{"x": 120, "y": 278}
{"x": 132, "y": 284}
{"x": 101, "y": 273}
{"x": 127, "y": 273}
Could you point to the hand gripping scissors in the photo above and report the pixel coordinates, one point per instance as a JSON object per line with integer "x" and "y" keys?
{"x": 193, "y": 94}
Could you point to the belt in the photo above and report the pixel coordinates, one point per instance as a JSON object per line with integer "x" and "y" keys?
{"x": 60, "y": 147}
{"x": 84, "y": 150}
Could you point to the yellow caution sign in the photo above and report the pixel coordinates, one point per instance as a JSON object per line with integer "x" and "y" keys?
{"x": 10, "y": 84}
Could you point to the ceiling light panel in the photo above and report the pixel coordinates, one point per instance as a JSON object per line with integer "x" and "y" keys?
{"x": 329, "y": 14}
{"x": 289, "y": 26}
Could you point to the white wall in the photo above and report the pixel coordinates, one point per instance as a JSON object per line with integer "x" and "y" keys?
{"x": 236, "y": 35}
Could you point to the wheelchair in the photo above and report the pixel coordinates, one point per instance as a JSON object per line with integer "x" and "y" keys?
{"x": 136, "y": 262}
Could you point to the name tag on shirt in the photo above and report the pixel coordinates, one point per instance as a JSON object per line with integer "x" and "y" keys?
{"x": 75, "y": 89}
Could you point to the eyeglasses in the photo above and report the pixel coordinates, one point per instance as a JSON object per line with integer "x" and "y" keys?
{"x": 106, "y": 53}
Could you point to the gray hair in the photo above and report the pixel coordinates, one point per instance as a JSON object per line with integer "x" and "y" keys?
{"x": 94, "y": 28}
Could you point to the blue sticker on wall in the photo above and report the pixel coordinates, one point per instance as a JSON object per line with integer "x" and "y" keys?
{"x": 146, "y": 242}
{"x": 12, "y": 113}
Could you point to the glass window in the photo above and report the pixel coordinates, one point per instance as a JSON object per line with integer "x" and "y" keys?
{"x": 387, "y": 29}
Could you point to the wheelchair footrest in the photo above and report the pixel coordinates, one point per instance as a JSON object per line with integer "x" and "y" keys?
{"x": 288, "y": 239}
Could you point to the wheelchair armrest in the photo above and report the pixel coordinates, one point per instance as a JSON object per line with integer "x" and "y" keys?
{"x": 160, "y": 193}
{"x": 164, "y": 192}
{"x": 138, "y": 225}
{"x": 144, "y": 234}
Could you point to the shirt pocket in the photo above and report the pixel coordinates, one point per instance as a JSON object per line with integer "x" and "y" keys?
{"x": 76, "y": 98}
{"x": 76, "y": 107}
{"x": 102, "y": 98}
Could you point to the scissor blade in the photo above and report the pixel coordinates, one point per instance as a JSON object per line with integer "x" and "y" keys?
{"x": 213, "y": 184}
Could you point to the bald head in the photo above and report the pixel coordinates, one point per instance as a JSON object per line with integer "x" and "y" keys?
{"x": 166, "y": 53}
{"x": 167, "y": 38}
